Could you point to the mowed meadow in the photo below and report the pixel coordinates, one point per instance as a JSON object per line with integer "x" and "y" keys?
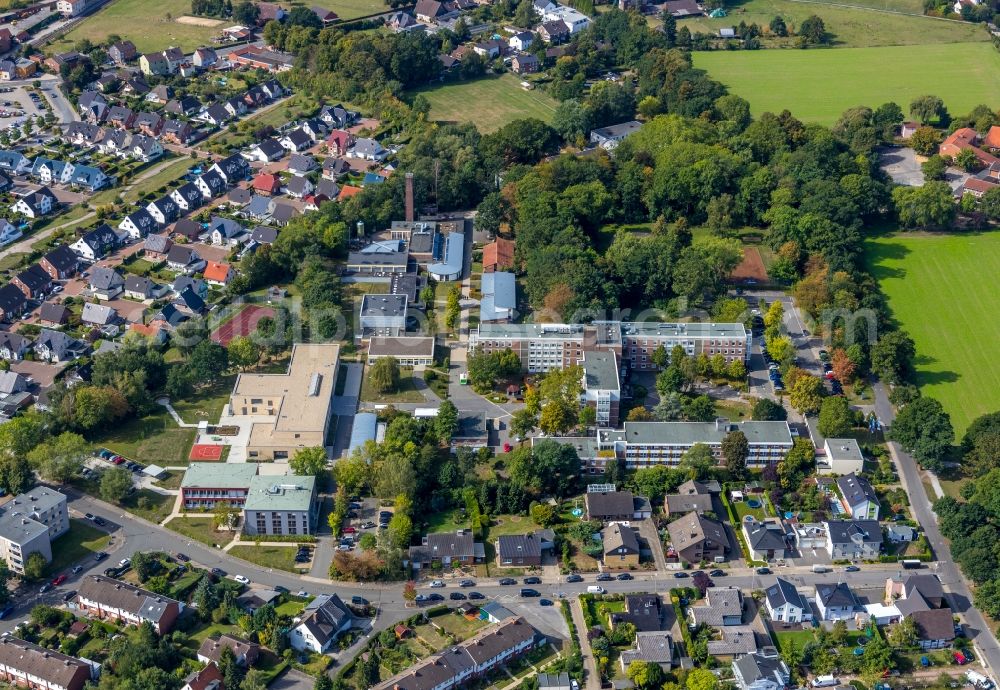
{"x": 941, "y": 288}
{"x": 818, "y": 85}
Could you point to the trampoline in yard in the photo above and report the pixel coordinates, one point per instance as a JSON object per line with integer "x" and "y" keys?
{"x": 754, "y": 503}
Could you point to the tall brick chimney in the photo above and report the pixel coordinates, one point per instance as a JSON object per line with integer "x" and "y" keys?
{"x": 409, "y": 197}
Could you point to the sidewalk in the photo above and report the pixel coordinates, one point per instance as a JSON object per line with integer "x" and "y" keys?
{"x": 165, "y": 402}
{"x": 593, "y": 681}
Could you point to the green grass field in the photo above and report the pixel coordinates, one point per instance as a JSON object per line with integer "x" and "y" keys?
{"x": 80, "y": 542}
{"x": 151, "y": 26}
{"x": 939, "y": 291}
{"x": 349, "y": 9}
{"x": 490, "y": 102}
{"x": 851, "y": 27}
{"x": 818, "y": 85}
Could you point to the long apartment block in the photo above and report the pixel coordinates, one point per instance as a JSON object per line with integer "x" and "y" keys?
{"x": 543, "y": 347}
{"x": 646, "y": 444}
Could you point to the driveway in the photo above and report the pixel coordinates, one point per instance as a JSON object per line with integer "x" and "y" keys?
{"x": 292, "y": 680}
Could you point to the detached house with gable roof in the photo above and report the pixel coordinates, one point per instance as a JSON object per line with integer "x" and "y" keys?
{"x": 836, "y": 602}
{"x": 523, "y": 549}
{"x": 106, "y": 283}
{"x": 785, "y": 604}
{"x": 853, "y": 539}
{"x": 325, "y": 618}
{"x": 858, "y": 497}
{"x": 36, "y": 204}
{"x": 97, "y": 243}
{"x": 447, "y": 548}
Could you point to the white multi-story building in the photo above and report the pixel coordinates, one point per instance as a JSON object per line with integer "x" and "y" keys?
{"x": 28, "y": 524}
{"x": 283, "y": 505}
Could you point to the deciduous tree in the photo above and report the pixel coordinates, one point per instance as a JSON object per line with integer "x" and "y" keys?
{"x": 308, "y": 462}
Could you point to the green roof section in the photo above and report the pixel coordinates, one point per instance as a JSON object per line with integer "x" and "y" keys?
{"x": 219, "y": 475}
{"x": 281, "y": 492}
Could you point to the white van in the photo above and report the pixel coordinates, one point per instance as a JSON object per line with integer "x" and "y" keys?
{"x": 820, "y": 569}
{"x": 824, "y": 681}
{"x": 595, "y": 589}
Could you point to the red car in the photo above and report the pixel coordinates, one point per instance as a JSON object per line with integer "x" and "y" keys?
{"x": 960, "y": 658}
{"x": 118, "y": 459}
{"x": 59, "y": 580}
{"x": 348, "y": 530}
{"x": 507, "y": 447}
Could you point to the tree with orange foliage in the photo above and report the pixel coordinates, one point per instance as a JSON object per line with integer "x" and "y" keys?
{"x": 843, "y": 368}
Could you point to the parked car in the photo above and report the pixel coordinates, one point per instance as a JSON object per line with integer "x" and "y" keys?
{"x": 605, "y": 577}
{"x": 467, "y": 583}
{"x": 508, "y": 581}
{"x": 181, "y": 557}
{"x": 851, "y": 569}
{"x": 528, "y": 592}
{"x": 349, "y": 530}
{"x": 89, "y": 516}
{"x": 59, "y": 580}
{"x": 476, "y": 595}
{"x": 436, "y": 584}
{"x": 100, "y": 556}
{"x": 718, "y": 573}
{"x": 99, "y": 521}
{"x": 434, "y": 596}
{"x": 625, "y": 576}
{"x": 763, "y": 570}
{"x": 45, "y": 588}
{"x": 77, "y": 569}
{"x": 125, "y": 562}
{"x": 574, "y": 577}
{"x": 242, "y": 579}
{"x": 69, "y": 595}
{"x": 545, "y": 602}
{"x": 457, "y": 596}
{"x": 533, "y": 580}
{"x": 680, "y": 574}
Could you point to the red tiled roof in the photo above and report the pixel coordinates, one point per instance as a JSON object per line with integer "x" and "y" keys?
{"x": 974, "y": 184}
{"x": 267, "y": 183}
{"x": 992, "y": 138}
{"x": 216, "y": 271}
{"x": 205, "y": 677}
{"x": 499, "y": 253}
{"x": 347, "y": 191}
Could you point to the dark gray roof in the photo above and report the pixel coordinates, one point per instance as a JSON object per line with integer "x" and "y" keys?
{"x": 783, "y": 592}
{"x": 63, "y": 258}
{"x": 264, "y": 235}
{"x": 609, "y": 504}
{"x": 160, "y": 244}
{"x": 519, "y": 546}
{"x": 53, "y": 313}
{"x": 271, "y": 148}
{"x": 856, "y": 489}
{"x": 102, "y": 278}
{"x": 839, "y": 595}
{"x": 324, "y": 617}
{"x": 850, "y": 531}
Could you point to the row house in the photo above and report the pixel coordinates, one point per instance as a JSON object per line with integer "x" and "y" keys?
{"x": 107, "y": 599}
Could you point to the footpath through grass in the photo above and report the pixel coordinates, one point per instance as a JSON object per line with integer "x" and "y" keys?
{"x": 490, "y": 102}
{"x": 940, "y": 289}
{"x": 818, "y": 85}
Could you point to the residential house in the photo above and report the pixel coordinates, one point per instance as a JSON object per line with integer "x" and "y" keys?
{"x": 177, "y": 131}
{"x": 324, "y": 619}
{"x": 211, "y": 184}
{"x": 614, "y": 505}
{"x": 36, "y": 204}
{"x": 654, "y": 647}
{"x": 282, "y": 214}
{"x": 225, "y": 232}
{"x": 767, "y": 540}
{"x": 183, "y": 106}
{"x": 266, "y": 151}
{"x": 853, "y": 539}
{"x": 314, "y": 127}
{"x": 92, "y": 106}
{"x": 164, "y": 210}
{"x": 785, "y": 604}
{"x": 259, "y": 208}
{"x": 12, "y": 302}
{"x": 840, "y": 456}
{"x": 245, "y": 652}
{"x": 836, "y": 602}
{"x": 123, "y": 52}
{"x": 216, "y": 114}
{"x": 33, "y": 281}
{"x": 105, "y": 598}
{"x": 208, "y": 678}
{"x": 461, "y": 665}
{"x": 139, "y": 287}
{"x": 106, "y": 283}
{"x": 760, "y": 671}
{"x": 696, "y": 538}
{"x": 182, "y": 257}
{"x": 169, "y": 317}
{"x": 553, "y": 31}
{"x": 921, "y": 597}
{"x": 14, "y": 162}
{"x": 156, "y": 247}
{"x": 335, "y": 168}
{"x": 136, "y": 85}
{"x": 609, "y": 137}
{"x": 13, "y": 346}
{"x": 525, "y": 63}
{"x": 301, "y": 164}
{"x": 620, "y": 547}
{"x": 327, "y": 188}
{"x": 296, "y": 141}
{"x": 521, "y": 41}
{"x": 266, "y": 183}
{"x": 89, "y": 177}
{"x": 446, "y": 548}
{"x": 25, "y": 664}
{"x": 50, "y": 171}
{"x": 723, "y": 607}
{"x": 138, "y": 224}
{"x": 339, "y": 142}
{"x": 523, "y": 549}
{"x": 644, "y": 611}
{"x": 429, "y": 11}
{"x": 97, "y": 243}
{"x": 98, "y": 315}
{"x": 233, "y": 169}
{"x": 54, "y": 347}
{"x": 218, "y": 273}
{"x": 144, "y": 148}
{"x": 299, "y": 187}
{"x": 150, "y": 124}
{"x": 369, "y": 150}
{"x": 204, "y": 58}
{"x": 337, "y": 116}
{"x": 273, "y": 89}
{"x": 691, "y": 496}
{"x": 188, "y": 302}
{"x": 858, "y": 497}
{"x": 900, "y": 534}
{"x": 84, "y": 133}
{"x": 326, "y": 17}
{"x": 52, "y": 315}
{"x": 263, "y": 235}
{"x": 235, "y": 106}
{"x": 9, "y": 232}
{"x": 154, "y": 64}
{"x": 114, "y": 143}
{"x": 120, "y": 117}
{"x": 160, "y": 94}
{"x": 187, "y": 197}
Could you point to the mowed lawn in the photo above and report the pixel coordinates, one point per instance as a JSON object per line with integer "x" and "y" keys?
{"x": 349, "y": 9}
{"x": 490, "y": 102}
{"x": 150, "y": 25}
{"x": 940, "y": 288}
{"x": 818, "y": 85}
{"x": 851, "y": 27}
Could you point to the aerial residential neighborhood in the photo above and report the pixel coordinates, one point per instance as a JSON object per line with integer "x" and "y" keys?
{"x": 525, "y": 345}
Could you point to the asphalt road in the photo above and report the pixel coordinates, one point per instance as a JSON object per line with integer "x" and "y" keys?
{"x": 960, "y": 596}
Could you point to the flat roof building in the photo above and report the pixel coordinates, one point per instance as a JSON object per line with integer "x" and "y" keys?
{"x": 841, "y": 456}
{"x": 28, "y": 524}
{"x": 601, "y": 386}
{"x": 206, "y": 484}
{"x": 289, "y": 411}
{"x": 281, "y": 505}
{"x": 409, "y": 352}
{"x": 382, "y": 316}
{"x": 453, "y": 260}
